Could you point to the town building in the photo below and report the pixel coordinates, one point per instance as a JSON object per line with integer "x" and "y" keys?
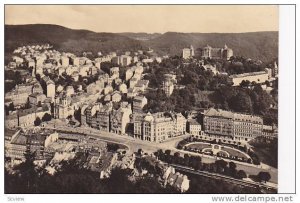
{"x": 176, "y": 179}
{"x": 142, "y": 85}
{"x": 17, "y": 147}
{"x": 123, "y": 88}
{"x": 120, "y": 118}
{"x": 19, "y": 95}
{"x": 37, "y": 88}
{"x": 65, "y": 61}
{"x": 238, "y": 126}
{"x": 97, "y": 116}
{"x": 36, "y": 98}
{"x": 114, "y": 72}
{"x": 11, "y": 121}
{"x": 70, "y": 90}
{"x": 26, "y": 117}
{"x": 270, "y": 132}
{"x": 50, "y": 87}
{"x": 158, "y": 127}
{"x": 126, "y": 60}
{"x": 193, "y": 127}
{"x": 18, "y": 60}
{"x": 123, "y": 60}
{"x": 138, "y": 103}
{"x": 188, "y": 52}
{"x": 133, "y": 82}
{"x": 63, "y": 107}
{"x": 108, "y": 89}
{"x": 116, "y": 96}
{"x": 275, "y": 70}
{"x": 128, "y": 74}
{"x": 257, "y": 77}
{"x": 131, "y": 92}
{"x": 34, "y": 139}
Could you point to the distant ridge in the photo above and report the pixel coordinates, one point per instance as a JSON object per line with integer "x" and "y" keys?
{"x": 257, "y": 45}
{"x": 65, "y": 39}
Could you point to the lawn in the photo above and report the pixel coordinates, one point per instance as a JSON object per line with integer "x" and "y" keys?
{"x": 233, "y": 152}
{"x": 199, "y": 146}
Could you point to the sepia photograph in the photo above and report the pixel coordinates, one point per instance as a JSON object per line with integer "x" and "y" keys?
{"x": 141, "y": 99}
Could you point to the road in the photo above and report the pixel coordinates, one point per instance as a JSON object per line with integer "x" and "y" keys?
{"x": 150, "y": 147}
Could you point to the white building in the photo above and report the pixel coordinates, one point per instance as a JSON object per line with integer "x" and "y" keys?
{"x": 188, "y": 52}
{"x": 193, "y": 127}
{"x": 158, "y": 127}
{"x": 258, "y": 77}
{"x": 65, "y": 61}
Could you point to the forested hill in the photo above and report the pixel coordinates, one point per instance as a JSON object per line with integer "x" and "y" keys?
{"x": 65, "y": 39}
{"x": 256, "y": 45}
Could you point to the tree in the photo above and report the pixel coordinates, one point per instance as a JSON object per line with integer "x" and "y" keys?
{"x": 6, "y": 110}
{"x": 241, "y": 174}
{"x": 232, "y": 165}
{"x": 46, "y": 117}
{"x": 37, "y": 121}
{"x": 245, "y": 83}
{"x": 159, "y": 153}
{"x": 27, "y": 171}
{"x": 168, "y": 152}
{"x": 105, "y": 66}
{"x": 39, "y": 104}
{"x": 11, "y": 107}
{"x": 112, "y": 147}
{"x": 140, "y": 152}
{"x": 232, "y": 169}
{"x": 186, "y": 160}
{"x": 77, "y": 114}
{"x": 241, "y": 102}
{"x": 177, "y": 157}
{"x": 27, "y": 104}
{"x": 221, "y": 165}
{"x": 195, "y": 162}
{"x": 263, "y": 176}
{"x": 176, "y": 154}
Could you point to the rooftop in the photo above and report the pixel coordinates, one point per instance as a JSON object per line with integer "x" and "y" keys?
{"x": 247, "y": 74}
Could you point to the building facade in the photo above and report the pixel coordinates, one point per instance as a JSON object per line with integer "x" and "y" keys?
{"x": 158, "y": 127}
{"x": 193, "y": 127}
{"x": 257, "y": 77}
{"x": 138, "y": 103}
{"x": 234, "y": 125}
{"x": 188, "y": 52}
{"x": 216, "y": 53}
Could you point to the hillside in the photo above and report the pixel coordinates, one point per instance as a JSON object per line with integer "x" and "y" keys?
{"x": 257, "y": 45}
{"x": 65, "y": 39}
{"x": 140, "y": 35}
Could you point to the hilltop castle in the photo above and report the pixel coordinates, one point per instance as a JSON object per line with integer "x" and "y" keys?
{"x": 216, "y": 53}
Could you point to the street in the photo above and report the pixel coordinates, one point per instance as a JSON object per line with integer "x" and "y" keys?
{"x": 150, "y": 147}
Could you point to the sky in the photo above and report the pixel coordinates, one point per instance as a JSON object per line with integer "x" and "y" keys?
{"x": 150, "y": 19}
